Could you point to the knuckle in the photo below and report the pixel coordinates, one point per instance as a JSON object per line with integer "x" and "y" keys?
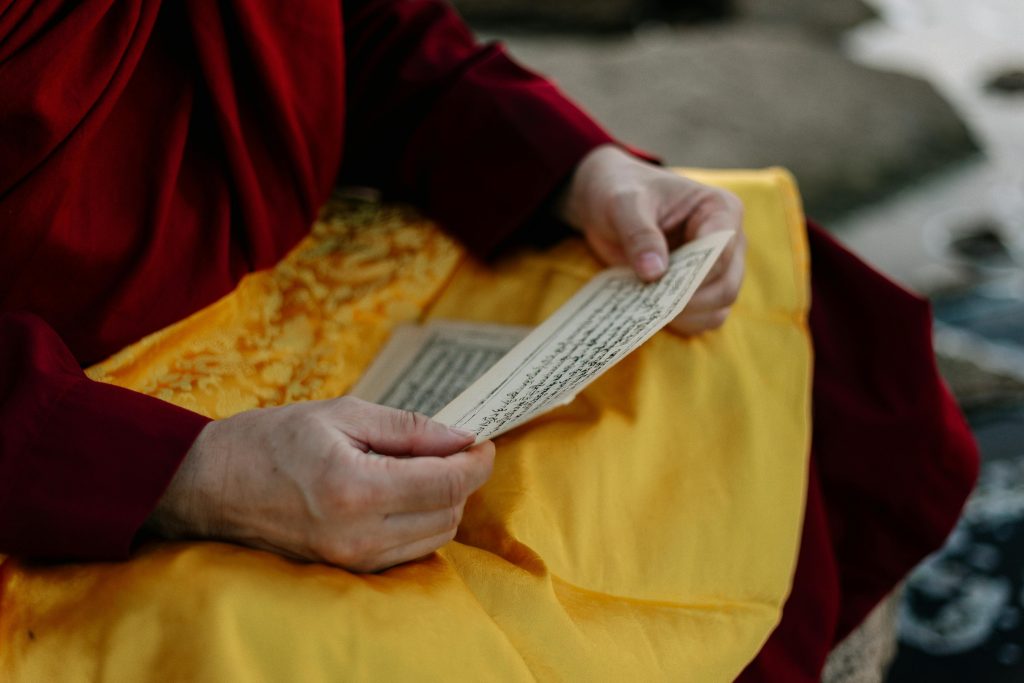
{"x": 345, "y": 401}
{"x": 624, "y": 196}
{"x": 304, "y": 421}
{"x": 641, "y": 237}
{"x": 682, "y": 326}
{"x": 350, "y": 498}
{"x": 355, "y": 553}
{"x": 622, "y": 201}
{"x": 326, "y": 548}
{"x": 454, "y": 517}
{"x": 418, "y": 422}
{"x": 490, "y": 452}
{"x": 717, "y": 319}
{"x": 348, "y": 404}
{"x": 414, "y": 425}
{"x": 731, "y": 200}
{"x": 741, "y": 242}
{"x": 403, "y": 420}
{"x": 453, "y": 488}
{"x": 635, "y": 225}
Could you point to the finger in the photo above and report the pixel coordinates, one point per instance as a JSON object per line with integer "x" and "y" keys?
{"x": 642, "y": 240}
{"x": 716, "y": 296}
{"x": 696, "y": 323}
{"x": 387, "y": 532}
{"x": 729, "y": 264}
{"x": 717, "y": 210}
{"x": 719, "y": 268}
{"x": 390, "y": 431}
{"x": 409, "y": 527}
{"x": 735, "y": 250}
{"x": 408, "y": 552}
{"x": 727, "y": 261}
{"x": 420, "y": 484}
{"x": 719, "y": 293}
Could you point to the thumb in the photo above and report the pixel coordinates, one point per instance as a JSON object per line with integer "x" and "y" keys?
{"x": 390, "y": 431}
{"x": 642, "y": 241}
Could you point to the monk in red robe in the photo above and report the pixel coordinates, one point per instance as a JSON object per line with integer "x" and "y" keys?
{"x": 154, "y": 153}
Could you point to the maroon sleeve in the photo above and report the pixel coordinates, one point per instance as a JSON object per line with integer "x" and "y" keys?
{"x": 453, "y": 126}
{"x": 81, "y": 462}
{"x": 150, "y": 155}
{"x": 154, "y": 143}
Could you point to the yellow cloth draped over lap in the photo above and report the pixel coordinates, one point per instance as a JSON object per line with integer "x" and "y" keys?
{"x": 648, "y": 531}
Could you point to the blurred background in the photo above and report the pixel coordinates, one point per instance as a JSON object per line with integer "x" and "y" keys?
{"x": 903, "y": 121}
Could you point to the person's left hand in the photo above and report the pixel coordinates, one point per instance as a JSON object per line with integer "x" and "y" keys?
{"x": 632, "y": 212}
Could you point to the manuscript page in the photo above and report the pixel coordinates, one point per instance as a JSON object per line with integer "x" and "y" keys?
{"x": 424, "y": 367}
{"x": 601, "y": 324}
{"x": 489, "y": 378}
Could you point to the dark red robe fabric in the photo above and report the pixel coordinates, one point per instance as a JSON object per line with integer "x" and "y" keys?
{"x": 892, "y": 460}
{"x": 153, "y": 153}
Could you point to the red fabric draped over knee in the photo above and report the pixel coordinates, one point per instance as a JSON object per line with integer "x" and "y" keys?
{"x": 892, "y": 460}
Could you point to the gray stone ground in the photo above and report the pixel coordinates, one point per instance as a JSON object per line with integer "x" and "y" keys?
{"x": 916, "y": 234}
{"x": 754, "y": 94}
{"x": 768, "y": 87}
{"x": 828, "y": 18}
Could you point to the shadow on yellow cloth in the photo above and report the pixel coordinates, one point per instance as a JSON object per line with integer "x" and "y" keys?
{"x": 649, "y": 530}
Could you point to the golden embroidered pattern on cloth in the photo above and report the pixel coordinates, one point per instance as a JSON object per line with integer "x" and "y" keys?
{"x": 303, "y": 330}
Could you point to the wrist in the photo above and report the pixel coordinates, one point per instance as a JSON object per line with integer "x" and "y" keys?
{"x": 572, "y": 204}
{"x": 181, "y": 510}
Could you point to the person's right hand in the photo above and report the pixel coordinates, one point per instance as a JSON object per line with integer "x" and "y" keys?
{"x": 306, "y": 481}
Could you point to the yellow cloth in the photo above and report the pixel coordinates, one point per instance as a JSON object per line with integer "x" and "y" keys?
{"x": 647, "y": 531}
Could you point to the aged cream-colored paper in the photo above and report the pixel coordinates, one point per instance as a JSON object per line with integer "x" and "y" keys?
{"x": 424, "y": 367}
{"x": 608, "y": 318}
{"x": 489, "y": 378}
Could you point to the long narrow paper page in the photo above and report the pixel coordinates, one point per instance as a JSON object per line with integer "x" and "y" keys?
{"x": 423, "y": 368}
{"x": 611, "y": 316}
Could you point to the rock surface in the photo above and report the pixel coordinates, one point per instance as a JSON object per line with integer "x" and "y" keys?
{"x": 750, "y": 95}
{"x": 827, "y": 17}
{"x": 977, "y": 388}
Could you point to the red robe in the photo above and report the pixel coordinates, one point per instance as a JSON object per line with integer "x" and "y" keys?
{"x": 153, "y": 153}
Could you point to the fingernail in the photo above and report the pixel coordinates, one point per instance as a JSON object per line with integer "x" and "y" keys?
{"x": 650, "y": 265}
{"x": 462, "y": 432}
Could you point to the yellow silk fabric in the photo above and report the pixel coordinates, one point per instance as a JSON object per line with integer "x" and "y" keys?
{"x": 647, "y": 531}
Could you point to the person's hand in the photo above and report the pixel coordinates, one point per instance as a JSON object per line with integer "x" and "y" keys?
{"x": 306, "y": 481}
{"x": 632, "y": 212}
